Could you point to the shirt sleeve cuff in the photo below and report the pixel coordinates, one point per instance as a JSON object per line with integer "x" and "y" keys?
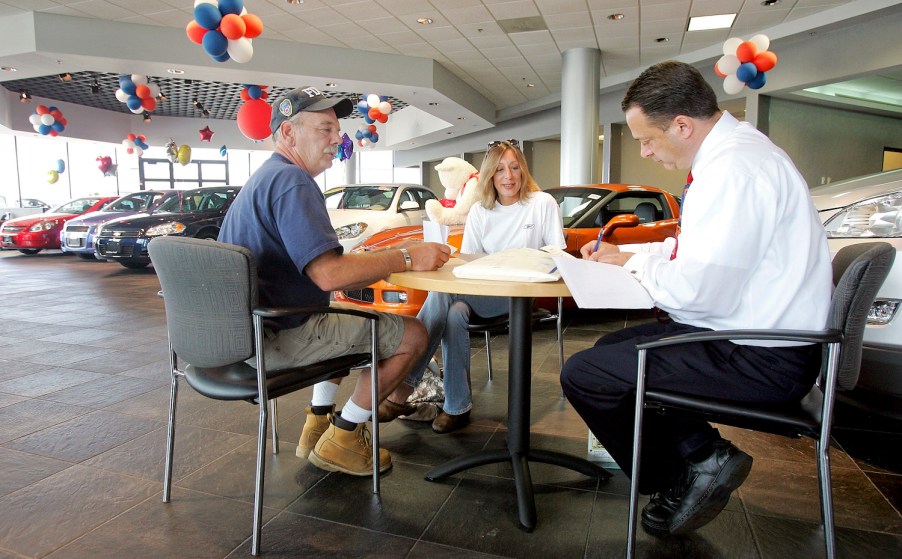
{"x": 636, "y": 265}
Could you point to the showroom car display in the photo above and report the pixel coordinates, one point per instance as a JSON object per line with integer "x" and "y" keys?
{"x": 33, "y": 233}
{"x": 627, "y": 213}
{"x": 77, "y": 235}
{"x": 359, "y": 211}
{"x": 859, "y": 210}
{"x": 196, "y": 213}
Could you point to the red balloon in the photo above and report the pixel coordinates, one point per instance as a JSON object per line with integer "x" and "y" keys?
{"x": 253, "y": 119}
{"x": 244, "y": 95}
{"x": 372, "y": 127}
{"x": 374, "y": 113}
{"x": 718, "y": 72}
{"x": 232, "y": 26}
{"x": 746, "y": 51}
{"x": 383, "y": 118}
{"x": 253, "y": 26}
{"x": 131, "y": 137}
{"x": 195, "y": 32}
{"x": 142, "y": 91}
{"x": 764, "y": 61}
{"x": 149, "y": 104}
{"x": 42, "y": 110}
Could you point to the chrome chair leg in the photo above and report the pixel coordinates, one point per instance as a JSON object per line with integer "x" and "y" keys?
{"x": 258, "y": 487}
{"x": 488, "y": 353}
{"x": 274, "y": 412}
{"x": 170, "y": 429}
{"x": 560, "y": 337}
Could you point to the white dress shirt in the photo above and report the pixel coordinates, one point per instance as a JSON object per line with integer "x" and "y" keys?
{"x": 752, "y": 252}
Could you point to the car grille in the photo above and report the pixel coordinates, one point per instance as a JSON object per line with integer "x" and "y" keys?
{"x": 364, "y": 295}
{"x": 121, "y": 234}
{"x": 10, "y": 229}
{"x": 77, "y": 229}
{"x": 120, "y": 251}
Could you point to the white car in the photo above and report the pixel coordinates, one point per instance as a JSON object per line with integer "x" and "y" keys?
{"x": 865, "y": 209}
{"x": 358, "y": 211}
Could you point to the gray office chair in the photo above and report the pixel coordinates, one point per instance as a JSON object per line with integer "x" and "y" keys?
{"x": 858, "y": 273}
{"x": 214, "y": 325}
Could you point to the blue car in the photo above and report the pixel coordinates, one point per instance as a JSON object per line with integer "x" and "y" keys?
{"x": 196, "y": 213}
{"x": 77, "y": 236}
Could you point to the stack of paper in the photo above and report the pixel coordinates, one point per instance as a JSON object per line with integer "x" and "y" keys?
{"x": 595, "y": 285}
{"x": 515, "y": 264}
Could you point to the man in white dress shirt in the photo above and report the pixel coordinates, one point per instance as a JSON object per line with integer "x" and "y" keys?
{"x": 750, "y": 253}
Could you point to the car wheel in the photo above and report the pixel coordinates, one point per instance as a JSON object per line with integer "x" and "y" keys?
{"x": 211, "y": 235}
{"x": 29, "y": 250}
{"x": 135, "y": 265}
{"x": 86, "y": 255}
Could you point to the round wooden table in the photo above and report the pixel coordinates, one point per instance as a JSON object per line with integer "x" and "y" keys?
{"x": 518, "y": 451}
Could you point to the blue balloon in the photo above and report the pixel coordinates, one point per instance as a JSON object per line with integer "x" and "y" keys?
{"x": 746, "y": 72}
{"x": 58, "y": 126}
{"x": 133, "y": 103}
{"x": 44, "y": 129}
{"x": 60, "y": 165}
{"x": 374, "y": 137}
{"x": 367, "y": 133}
{"x": 207, "y": 16}
{"x": 231, "y": 6}
{"x": 359, "y": 135}
{"x": 363, "y": 108}
{"x": 254, "y": 92}
{"x": 223, "y": 151}
{"x": 368, "y": 119}
{"x": 127, "y": 85}
{"x": 214, "y": 42}
{"x": 224, "y": 57}
{"x": 758, "y": 81}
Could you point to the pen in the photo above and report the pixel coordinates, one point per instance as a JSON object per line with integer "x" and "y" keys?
{"x": 598, "y": 242}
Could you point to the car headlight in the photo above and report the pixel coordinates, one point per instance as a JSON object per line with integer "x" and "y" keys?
{"x": 42, "y": 226}
{"x": 171, "y": 228}
{"x": 351, "y": 230}
{"x": 874, "y": 217}
{"x": 394, "y": 296}
{"x": 882, "y": 311}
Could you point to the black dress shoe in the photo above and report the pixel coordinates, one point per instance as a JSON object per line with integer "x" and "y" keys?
{"x": 657, "y": 513}
{"x": 709, "y": 484}
{"x": 445, "y": 423}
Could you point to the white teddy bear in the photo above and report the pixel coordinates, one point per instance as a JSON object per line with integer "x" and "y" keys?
{"x": 459, "y": 179}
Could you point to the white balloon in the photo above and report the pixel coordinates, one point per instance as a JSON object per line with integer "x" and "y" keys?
{"x": 240, "y": 50}
{"x": 154, "y": 88}
{"x": 47, "y": 119}
{"x": 122, "y": 96}
{"x": 139, "y": 79}
{"x": 728, "y": 64}
{"x": 137, "y": 111}
{"x": 138, "y": 151}
{"x": 128, "y": 143}
{"x": 732, "y": 85}
{"x": 373, "y": 100}
{"x": 761, "y": 41}
{"x": 731, "y": 44}
{"x": 385, "y": 107}
{"x": 37, "y": 127}
{"x": 35, "y": 119}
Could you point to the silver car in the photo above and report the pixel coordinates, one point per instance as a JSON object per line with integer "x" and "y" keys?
{"x": 866, "y": 209}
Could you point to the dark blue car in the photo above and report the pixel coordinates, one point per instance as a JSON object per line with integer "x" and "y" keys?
{"x": 197, "y": 213}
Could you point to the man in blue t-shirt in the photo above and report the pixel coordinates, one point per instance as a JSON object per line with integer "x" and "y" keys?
{"x": 280, "y": 215}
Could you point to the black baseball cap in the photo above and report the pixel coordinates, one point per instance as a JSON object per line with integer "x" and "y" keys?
{"x": 306, "y": 99}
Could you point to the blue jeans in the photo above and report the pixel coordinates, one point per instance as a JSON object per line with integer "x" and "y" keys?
{"x": 446, "y": 317}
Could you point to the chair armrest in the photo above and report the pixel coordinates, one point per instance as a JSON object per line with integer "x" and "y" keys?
{"x": 279, "y": 312}
{"x": 811, "y": 336}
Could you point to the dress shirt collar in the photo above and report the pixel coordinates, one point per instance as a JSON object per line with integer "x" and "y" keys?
{"x": 721, "y": 130}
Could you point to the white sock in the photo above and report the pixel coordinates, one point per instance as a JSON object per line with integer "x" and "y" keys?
{"x": 324, "y": 394}
{"x": 354, "y": 413}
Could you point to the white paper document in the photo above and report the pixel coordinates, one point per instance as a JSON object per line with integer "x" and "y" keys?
{"x": 595, "y": 285}
{"x": 435, "y": 232}
{"x": 514, "y": 264}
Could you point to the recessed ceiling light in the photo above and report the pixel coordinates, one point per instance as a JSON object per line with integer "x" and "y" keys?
{"x": 9, "y": 69}
{"x": 425, "y": 21}
{"x": 461, "y": 118}
{"x": 530, "y": 85}
{"x": 65, "y": 77}
{"x": 175, "y": 71}
{"x": 662, "y": 40}
{"x": 616, "y": 17}
{"x": 769, "y": 3}
{"x": 432, "y": 104}
{"x": 24, "y": 97}
{"x": 146, "y": 116}
{"x": 705, "y": 23}
{"x": 331, "y": 84}
{"x": 295, "y": 2}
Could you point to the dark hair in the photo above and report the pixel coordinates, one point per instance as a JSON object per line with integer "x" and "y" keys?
{"x": 669, "y": 89}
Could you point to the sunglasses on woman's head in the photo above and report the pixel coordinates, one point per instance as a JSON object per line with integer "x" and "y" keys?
{"x": 512, "y": 143}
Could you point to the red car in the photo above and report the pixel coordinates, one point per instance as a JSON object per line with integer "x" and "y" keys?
{"x": 33, "y": 233}
{"x": 625, "y": 213}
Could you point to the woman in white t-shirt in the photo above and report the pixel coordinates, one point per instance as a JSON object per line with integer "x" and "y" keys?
{"x": 510, "y": 211}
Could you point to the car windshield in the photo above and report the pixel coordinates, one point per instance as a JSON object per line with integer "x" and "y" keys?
{"x": 136, "y": 202}
{"x": 77, "y": 206}
{"x": 377, "y": 198}
{"x": 576, "y": 202}
{"x": 198, "y": 200}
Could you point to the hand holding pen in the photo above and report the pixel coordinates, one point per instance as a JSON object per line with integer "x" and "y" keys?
{"x": 594, "y": 249}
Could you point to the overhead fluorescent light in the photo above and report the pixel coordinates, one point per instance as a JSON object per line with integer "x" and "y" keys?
{"x": 705, "y": 23}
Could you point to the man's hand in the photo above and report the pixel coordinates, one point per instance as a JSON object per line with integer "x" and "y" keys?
{"x": 428, "y": 256}
{"x": 589, "y": 253}
{"x": 615, "y": 258}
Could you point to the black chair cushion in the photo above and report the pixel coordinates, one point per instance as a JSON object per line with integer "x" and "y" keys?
{"x": 495, "y": 323}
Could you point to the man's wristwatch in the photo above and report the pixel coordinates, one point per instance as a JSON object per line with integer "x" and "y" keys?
{"x": 408, "y": 263}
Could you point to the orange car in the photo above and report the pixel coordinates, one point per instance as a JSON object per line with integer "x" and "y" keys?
{"x": 622, "y": 213}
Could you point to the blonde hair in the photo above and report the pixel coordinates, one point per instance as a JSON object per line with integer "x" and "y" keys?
{"x": 486, "y": 195}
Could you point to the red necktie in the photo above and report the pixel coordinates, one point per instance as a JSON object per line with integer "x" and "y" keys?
{"x": 680, "y": 219}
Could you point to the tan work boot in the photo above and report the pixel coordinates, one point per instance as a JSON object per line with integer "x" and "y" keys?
{"x": 350, "y": 452}
{"x": 314, "y": 428}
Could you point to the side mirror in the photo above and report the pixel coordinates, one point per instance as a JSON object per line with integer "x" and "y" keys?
{"x": 409, "y": 205}
{"x": 623, "y": 220}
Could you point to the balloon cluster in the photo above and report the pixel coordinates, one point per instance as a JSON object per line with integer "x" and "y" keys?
{"x": 53, "y": 175}
{"x": 745, "y": 63}
{"x": 178, "y": 154}
{"x": 345, "y": 148}
{"x": 106, "y": 165}
{"x": 374, "y": 109}
{"x": 224, "y": 29}
{"x": 47, "y": 120}
{"x": 135, "y": 143}
{"x": 138, "y": 93}
{"x": 255, "y": 113}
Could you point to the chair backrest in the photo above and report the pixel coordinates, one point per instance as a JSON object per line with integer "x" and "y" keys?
{"x": 209, "y": 290}
{"x": 858, "y": 273}
{"x": 646, "y": 212}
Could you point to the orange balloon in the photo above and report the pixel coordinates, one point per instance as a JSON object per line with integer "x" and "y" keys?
{"x": 232, "y": 26}
{"x": 149, "y": 103}
{"x": 195, "y": 32}
{"x": 746, "y": 51}
{"x": 142, "y": 91}
{"x": 253, "y": 26}
{"x": 244, "y": 95}
{"x": 764, "y": 61}
{"x": 718, "y": 72}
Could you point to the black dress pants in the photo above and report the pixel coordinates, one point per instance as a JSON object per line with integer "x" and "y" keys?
{"x": 600, "y": 383}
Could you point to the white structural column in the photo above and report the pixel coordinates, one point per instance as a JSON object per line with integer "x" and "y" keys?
{"x": 579, "y": 115}
{"x": 350, "y": 168}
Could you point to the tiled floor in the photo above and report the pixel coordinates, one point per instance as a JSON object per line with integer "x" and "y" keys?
{"x": 83, "y": 405}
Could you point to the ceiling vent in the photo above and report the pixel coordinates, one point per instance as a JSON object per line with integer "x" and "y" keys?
{"x": 523, "y": 24}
